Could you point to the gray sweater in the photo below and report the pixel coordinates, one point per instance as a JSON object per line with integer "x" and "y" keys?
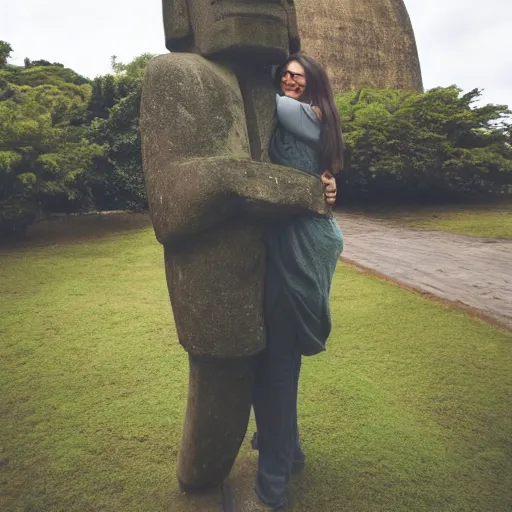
{"x": 301, "y": 254}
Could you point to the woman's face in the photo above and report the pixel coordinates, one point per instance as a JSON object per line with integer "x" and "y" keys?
{"x": 293, "y": 80}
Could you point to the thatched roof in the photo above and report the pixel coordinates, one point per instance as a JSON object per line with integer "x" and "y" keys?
{"x": 366, "y": 43}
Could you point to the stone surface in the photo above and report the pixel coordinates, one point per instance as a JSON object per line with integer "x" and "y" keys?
{"x": 212, "y": 435}
{"x": 204, "y": 130}
{"x": 470, "y": 271}
{"x": 208, "y": 201}
{"x": 261, "y": 30}
{"x": 361, "y": 43}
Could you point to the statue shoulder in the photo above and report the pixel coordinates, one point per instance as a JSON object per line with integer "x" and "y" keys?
{"x": 189, "y": 73}
{"x": 192, "y": 107}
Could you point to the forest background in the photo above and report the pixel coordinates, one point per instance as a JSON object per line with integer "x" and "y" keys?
{"x": 71, "y": 144}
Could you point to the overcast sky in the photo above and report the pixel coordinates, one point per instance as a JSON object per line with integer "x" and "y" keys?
{"x": 459, "y": 41}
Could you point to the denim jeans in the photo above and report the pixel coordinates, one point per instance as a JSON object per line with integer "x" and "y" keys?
{"x": 275, "y": 406}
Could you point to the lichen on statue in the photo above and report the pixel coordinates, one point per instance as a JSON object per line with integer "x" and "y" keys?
{"x": 206, "y": 116}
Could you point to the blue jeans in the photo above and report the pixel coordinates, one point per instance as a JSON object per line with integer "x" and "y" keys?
{"x": 275, "y": 407}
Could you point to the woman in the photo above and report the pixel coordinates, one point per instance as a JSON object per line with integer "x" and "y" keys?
{"x": 302, "y": 257}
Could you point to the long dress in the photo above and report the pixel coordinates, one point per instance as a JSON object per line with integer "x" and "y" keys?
{"x": 301, "y": 259}
{"x": 302, "y": 254}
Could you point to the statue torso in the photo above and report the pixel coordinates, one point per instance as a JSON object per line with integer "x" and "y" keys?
{"x": 216, "y": 278}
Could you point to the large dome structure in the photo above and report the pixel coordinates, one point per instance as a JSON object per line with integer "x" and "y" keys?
{"x": 361, "y": 43}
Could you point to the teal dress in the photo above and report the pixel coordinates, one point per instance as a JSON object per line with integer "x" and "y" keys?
{"x": 301, "y": 257}
{"x": 301, "y": 254}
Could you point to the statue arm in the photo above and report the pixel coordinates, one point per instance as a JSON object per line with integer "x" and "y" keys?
{"x": 196, "y": 153}
{"x": 192, "y": 195}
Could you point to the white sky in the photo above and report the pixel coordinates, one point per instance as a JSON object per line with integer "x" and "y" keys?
{"x": 459, "y": 41}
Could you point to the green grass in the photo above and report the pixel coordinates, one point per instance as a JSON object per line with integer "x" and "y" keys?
{"x": 491, "y": 221}
{"x": 410, "y": 409}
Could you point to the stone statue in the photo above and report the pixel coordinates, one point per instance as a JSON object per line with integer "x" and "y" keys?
{"x": 206, "y": 117}
{"x": 361, "y": 43}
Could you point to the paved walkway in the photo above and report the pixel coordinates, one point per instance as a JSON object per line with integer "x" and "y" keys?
{"x": 475, "y": 272}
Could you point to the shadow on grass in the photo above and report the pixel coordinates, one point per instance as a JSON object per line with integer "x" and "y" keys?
{"x": 73, "y": 229}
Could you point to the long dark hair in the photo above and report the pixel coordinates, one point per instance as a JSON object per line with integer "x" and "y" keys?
{"x": 319, "y": 93}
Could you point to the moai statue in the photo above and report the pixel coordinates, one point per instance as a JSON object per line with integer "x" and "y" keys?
{"x": 206, "y": 115}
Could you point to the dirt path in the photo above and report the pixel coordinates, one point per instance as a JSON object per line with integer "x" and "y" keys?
{"x": 475, "y": 272}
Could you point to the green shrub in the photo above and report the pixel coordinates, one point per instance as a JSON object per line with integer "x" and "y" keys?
{"x": 407, "y": 145}
{"x": 15, "y": 217}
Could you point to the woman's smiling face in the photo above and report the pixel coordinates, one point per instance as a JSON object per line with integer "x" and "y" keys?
{"x": 293, "y": 80}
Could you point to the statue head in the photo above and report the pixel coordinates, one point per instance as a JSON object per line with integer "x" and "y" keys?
{"x": 265, "y": 30}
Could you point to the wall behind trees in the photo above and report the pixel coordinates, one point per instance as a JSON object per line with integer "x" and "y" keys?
{"x": 70, "y": 144}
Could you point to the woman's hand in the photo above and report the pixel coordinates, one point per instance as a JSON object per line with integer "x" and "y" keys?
{"x": 329, "y": 187}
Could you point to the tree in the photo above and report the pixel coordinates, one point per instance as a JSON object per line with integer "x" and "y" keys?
{"x": 428, "y": 145}
{"x": 117, "y": 180}
{"x": 43, "y": 150}
{"x": 5, "y": 52}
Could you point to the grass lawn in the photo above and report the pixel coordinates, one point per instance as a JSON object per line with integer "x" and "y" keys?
{"x": 489, "y": 220}
{"x": 410, "y": 409}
